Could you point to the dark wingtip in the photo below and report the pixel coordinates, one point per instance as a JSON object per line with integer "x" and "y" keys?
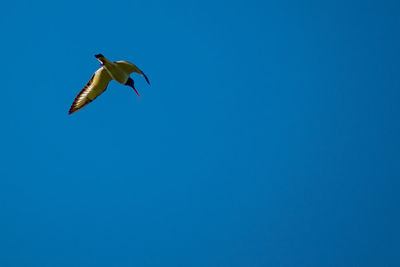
{"x": 147, "y": 80}
{"x": 72, "y": 109}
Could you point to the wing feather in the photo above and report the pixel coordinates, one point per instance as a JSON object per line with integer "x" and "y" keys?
{"x": 129, "y": 68}
{"x": 96, "y": 85}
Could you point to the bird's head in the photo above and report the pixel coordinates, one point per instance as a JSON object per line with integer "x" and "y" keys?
{"x": 100, "y": 58}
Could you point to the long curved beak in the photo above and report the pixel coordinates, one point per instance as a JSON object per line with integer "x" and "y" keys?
{"x": 133, "y": 87}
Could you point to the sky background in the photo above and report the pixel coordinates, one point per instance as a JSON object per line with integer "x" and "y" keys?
{"x": 269, "y": 135}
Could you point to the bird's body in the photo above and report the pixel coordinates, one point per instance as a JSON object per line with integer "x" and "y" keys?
{"x": 115, "y": 71}
{"x": 119, "y": 71}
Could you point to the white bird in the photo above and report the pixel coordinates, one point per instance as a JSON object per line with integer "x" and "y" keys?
{"x": 119, "y": 71}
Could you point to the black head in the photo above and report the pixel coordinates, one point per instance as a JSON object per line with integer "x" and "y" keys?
{"x": 98, "y": 55}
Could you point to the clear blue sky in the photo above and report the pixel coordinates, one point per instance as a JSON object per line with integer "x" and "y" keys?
{"x": 269, "y": 135}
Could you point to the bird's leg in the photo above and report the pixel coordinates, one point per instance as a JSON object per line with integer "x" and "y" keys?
{"x": 131, "y": 83}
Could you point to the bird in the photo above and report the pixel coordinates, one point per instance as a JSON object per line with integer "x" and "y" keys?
{"x": 118, "y": 70}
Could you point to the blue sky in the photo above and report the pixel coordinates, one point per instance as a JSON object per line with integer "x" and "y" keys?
{"x": 269, "y": 135}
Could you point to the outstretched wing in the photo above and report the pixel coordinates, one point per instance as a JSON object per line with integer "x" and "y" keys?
{"x": 97, "y": 85}
{"x": 129, "y": 68}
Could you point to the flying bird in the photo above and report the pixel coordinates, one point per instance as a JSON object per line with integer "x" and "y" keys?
{"x": 118, "y": 70}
